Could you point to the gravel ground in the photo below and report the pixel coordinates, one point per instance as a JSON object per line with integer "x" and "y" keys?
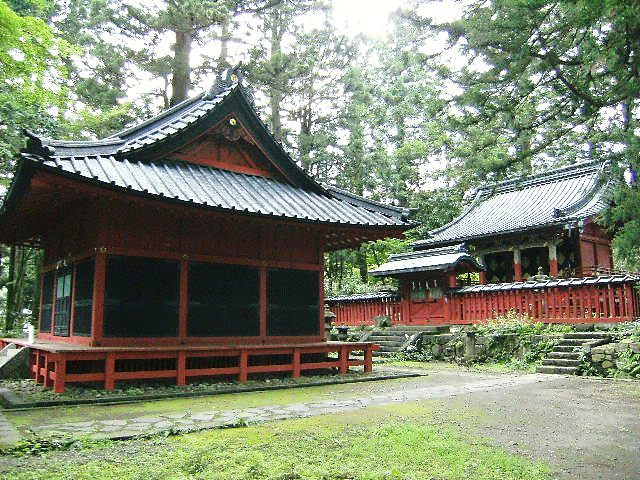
{"x": 583, "y": 428}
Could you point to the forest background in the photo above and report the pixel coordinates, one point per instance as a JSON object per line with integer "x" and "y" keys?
{"x": 447, "y": 96}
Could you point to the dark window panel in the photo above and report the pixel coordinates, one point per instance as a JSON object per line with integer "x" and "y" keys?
{"x": 141, "y": 297}
{"x": 223, "y": 300}
{"x": 293, "y": 297}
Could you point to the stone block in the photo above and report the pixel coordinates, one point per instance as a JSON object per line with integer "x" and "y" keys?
{"x": 607, "y": 364}
{"x": 635, "y": 347}
{"x": 597, "y": 357}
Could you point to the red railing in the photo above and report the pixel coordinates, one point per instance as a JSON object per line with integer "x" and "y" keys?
{"x": 362, "y": 311}
{"x": 578, "y": 300}
{"x": 580, "y": 304}
{"x": 56, "y": 365}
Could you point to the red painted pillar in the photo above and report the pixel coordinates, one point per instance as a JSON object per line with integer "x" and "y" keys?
{"x": 517, "y": 265}
{"x": 46, "y": 381}
{"x": 453, "y": 280}
{"x": 60, "y": 369}
{"x": 368, "y": 359}
{"x": 553, "y": 260}
{"x": 109, "y": 371}
{"x": 344, "y": 359}
{"x": 244, "y": 365}
{"x": 296, "y": 363}
{"x": 181, "y": 368}
{"x": 99, "y": 278}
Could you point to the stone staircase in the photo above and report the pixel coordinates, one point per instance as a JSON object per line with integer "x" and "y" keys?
{"x": 393, "y": 339}
{"x": 14, "y": 361}
{"x": 564, "y": 359}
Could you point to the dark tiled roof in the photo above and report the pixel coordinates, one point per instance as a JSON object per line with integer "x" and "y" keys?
{"x": 134, "y": 160}
{"x": 426, "y": 261}
{"x": 364, "y": 297}
{"x": 221, "y": 189}
{"x": 557, "y": 197}
{"x": 566, "y": 282}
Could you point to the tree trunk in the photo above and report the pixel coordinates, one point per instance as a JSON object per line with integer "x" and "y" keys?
{"x": 275, "y": 93}
{"x": 362, "y": 264}
{"x": 223, "y": 61}
{"x": 181, "y": 79}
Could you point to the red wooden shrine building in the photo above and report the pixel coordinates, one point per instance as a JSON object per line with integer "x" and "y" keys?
{"x": 189, "y": 245}
{"x": 537, "y": 250}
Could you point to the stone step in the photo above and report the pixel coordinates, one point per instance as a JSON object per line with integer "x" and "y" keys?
{"x": 381, "y": 353}
{"x": 386, "y": 338}
{"x": 587, "y": 335}
{"x": 572, "y": 341}
{"x": 389, "y": 344}
{"x": 564, "y": 355}
{"x": 565, "y": 348}
{"x": 386, "y": 332}
{"x": 558, "y": 370}
{"x": 421, "y": 328}
{"x": 560, "y": 362}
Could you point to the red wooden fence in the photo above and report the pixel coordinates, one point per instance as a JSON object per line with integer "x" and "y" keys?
{"x": 356, "y": 310}
{"x": 580, "y": 300}
{"x": 581, "y": 304}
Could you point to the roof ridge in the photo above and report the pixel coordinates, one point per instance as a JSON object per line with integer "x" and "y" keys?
{"x": 359, "y": 199}
{"x": 466, "y": 211}
{"x": 159, "y": 116}
{"x": 449, "y": 249}
{"x": 518, "y": 183}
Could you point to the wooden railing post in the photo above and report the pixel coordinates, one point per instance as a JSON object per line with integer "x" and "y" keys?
{"x": 60, "y": 369}
{"x": 296, "y": 363}
{"x": 181, "y": 368}
{"x": 244, "y": 366}
{"x": 110, "y": 371}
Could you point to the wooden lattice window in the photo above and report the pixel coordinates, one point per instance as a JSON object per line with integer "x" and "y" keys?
{"x": 141, "y": 297}
{"x": 223, "y": 300}
{"x": 293, "y": 297}
{"x": 83, "y": 297}
{"x": 48, "y": 281}
{"x": 62, "y": 315}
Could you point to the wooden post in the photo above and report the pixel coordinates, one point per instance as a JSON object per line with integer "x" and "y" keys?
{"x": 99, "y": 279}
{"x": 264, "y": 280}
{"x": 60, "y": 368}
{"x": 184, "y": 301}
{"x": 46, "y": 381}
{"x": 181, "y": 368}
{"x": 110, "y": 371}
{"x": 244, "y": 365}
{"x": 36, "y": 371}
{"x": 296, "y": 363}
{"x": 368, "y": 359}
{"x": 517, "y": 265}
{"x": 553, "y": 260}
{"x": 344, "y": 359}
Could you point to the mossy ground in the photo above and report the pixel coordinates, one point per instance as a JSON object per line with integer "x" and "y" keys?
{"x": 235, "y": 401}
{"x": 391, "y": 442}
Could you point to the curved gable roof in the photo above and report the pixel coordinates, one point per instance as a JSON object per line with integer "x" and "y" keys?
{"x": 138, "y": 160}
{"x": 554, "y": 198}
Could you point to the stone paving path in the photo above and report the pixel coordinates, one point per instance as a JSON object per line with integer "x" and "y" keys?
{"x": 186, "y": 421}
{"x": 8, "y": 434}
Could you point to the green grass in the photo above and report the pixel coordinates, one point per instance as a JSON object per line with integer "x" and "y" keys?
{"x": 234, "y": 401}
{"x": 391, "y": 442}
